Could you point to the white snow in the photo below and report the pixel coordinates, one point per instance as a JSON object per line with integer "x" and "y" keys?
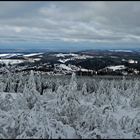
{"x": 8, "y": 55}
{"x": 4, "y": 94}
{"x": 36, "y": 59}
{"x": 1, "y": 55}
{"x": 119, "y": 67}
{"x": 132, "y": 61}
{"x": 125, "y": 112}
{"x": 32, "y": 54}
{"x": 121, "y": 50}
{"x": 63, "y": 54}
{"x": 72, "y": 108}
{"x": 63, "y": 60}
{"x": 83, "y": 57}
{"x": 33, "y": 60}
{"x": 85, "y": 70}
{"x": 17, "y": 61}
{"x": 11, "y": 61}
{"x": 73, "y": 57}
{"x": 63, "y": 66}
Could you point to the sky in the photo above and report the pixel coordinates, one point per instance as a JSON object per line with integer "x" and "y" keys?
{"x": 69, "y": 25}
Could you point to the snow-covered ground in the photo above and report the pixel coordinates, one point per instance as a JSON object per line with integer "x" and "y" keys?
{"x": 6, "y": 58}
{"x": 9, "y": 55}
{"x": 11, "y": 61}
{"x": 64, "y": 55}
{"x": 72, "y": 56}
{"x": 121, "y": 50}
{"x": 64, "y": 60}
{"x": 65, "y": 67}
{"x": 71, "y": 68}
{"x": 119, "y": 67}
{"x": 132, "y": 61}
{"x": 32, "y": 54}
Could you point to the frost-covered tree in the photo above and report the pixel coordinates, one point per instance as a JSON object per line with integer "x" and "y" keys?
{"x": 91, "y": 121}
{"x": 6, "y": 103}
{"x": 84, "y": 89}
{"x": 68, "y": 103}
{"x": 1, "y": 86}
{"x": 71, "y": 107}
{"x": 30, "y": 92}
{"x": 135, "y": 96}
{"x": 114, "y": 99}
{"x": 126, "y": 123}
{"x": 8, "y": 82}
{"x": 20, "y": 83}
{"x": 39, "y": 84}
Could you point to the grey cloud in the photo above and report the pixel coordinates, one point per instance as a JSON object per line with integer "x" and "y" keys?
{"x": 70, "y": 21}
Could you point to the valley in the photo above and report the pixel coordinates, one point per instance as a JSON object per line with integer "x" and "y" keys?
{"x": 97, "y": 62}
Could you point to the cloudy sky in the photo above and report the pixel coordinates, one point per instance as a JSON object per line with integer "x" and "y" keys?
{"x": 70, "y": 25}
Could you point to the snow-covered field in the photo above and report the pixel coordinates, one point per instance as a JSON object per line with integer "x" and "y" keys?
{"x": 35, "y": 106}
{"x": 121, "y": 50}
{"x": 6, "y": 58}
{"x": 10, "y": 61}
{"x": 64, "y": 55}
{"x": 9, "y": 55}
{"x": 71, "y": 56}
{"x": 119, "y": 67}
{"x": 71, "y": 68}
{"x": 32, "y": 54}
{"x": 17, "y": 61}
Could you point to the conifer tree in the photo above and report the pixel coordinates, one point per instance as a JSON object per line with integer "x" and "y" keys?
{"x": 30, "y": 91}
